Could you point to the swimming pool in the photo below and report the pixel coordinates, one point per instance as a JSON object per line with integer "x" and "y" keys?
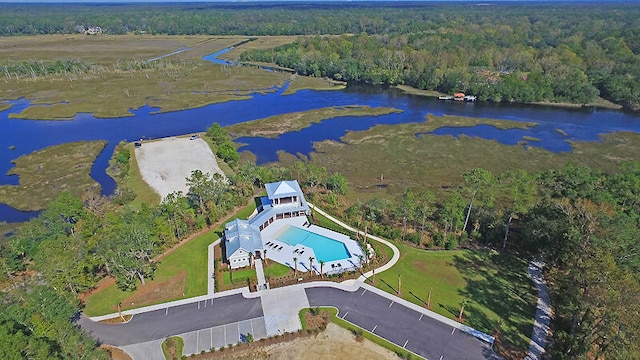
{"x": 326, "y": 249}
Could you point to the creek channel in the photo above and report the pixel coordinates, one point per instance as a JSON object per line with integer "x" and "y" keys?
{"x": 23, "y": 136}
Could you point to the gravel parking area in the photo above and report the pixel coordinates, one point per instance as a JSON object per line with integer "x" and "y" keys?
{"x": 165, "y": 164}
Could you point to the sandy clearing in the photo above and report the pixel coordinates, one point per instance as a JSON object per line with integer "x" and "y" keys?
{"x": 165, "y": 164}
{"x": 335, "y": 343}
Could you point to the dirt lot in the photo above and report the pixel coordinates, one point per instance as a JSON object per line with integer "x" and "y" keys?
{"x": 165, "y": 164}
{"x": 333, "y": 343}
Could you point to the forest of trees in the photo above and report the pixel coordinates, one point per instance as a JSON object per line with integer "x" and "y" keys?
{"x": 75, "y": 242}
{"x": 583, "y": 222}
{"x": 586, "y": 225}
{"x": 504, "y": 52}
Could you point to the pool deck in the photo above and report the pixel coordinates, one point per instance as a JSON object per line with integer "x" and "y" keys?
{"x": 284, "y": 253}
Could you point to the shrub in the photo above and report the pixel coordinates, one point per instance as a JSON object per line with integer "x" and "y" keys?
{"x": 452, "y": 242}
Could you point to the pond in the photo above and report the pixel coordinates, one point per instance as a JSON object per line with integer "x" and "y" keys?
{"x": 19, "y": 136}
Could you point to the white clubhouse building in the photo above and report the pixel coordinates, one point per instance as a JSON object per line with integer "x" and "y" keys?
{"x": 282, "y": 209}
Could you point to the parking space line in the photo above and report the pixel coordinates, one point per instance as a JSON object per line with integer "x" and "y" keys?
{"x": 405, "y": 344}
{"x": 198, "y": 305}
{"x": 421, "y": 315}
{"x": 452, "y": 331}
{"x": 166, "y": 311}
{"x": 391, "y": 304}
{"x": 374, "y": 329}
{"x": 363, "y": 291}
{"x": 345, "y": 315}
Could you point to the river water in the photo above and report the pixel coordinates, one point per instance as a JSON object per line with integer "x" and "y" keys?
{"x": 20, "y": 136}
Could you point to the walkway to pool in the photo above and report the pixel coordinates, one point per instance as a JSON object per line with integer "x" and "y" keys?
{"x": 388, "y": 265}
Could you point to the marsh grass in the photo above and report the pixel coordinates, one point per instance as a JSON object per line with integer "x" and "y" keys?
{"x": 411, "y": 160}
{"x": 110, "y": 88}
{"x": 46, "y": 173}
{"x": 274, "y": 126}
{"x": 312, "y": 83}
{"x": 176, "y": 82}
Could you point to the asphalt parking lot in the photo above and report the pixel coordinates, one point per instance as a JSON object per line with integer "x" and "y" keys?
{"x": 403, "y": 326}
{"x": 162, "y": 323}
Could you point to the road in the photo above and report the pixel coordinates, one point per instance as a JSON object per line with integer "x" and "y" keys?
{"x": 405, "y": 327}
{"x": 159, "y": 324}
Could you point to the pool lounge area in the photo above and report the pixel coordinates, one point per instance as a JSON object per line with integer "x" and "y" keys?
{"x": 291, "y": 238}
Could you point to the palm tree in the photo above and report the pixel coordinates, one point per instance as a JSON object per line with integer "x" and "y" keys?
{"x": 361, "y": 258}
{"x": 295, "y": 266}
{"x": 265, "y": 256}
{"x": 321, "y": 265}
{"x": 251, "y": 258}
{"x": 462, "y": 305}
{"x": 311, "y": 265}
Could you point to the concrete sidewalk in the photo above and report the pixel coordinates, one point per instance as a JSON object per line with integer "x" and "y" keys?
{"x": 211, "y": 267}
{"x": 388, "y": 265}
{"x": 262, "y": 282}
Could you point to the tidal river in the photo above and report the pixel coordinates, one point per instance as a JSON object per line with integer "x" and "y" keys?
{"x": 19, "y": 137}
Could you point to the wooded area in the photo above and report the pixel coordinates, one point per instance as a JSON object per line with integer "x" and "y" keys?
{"x": 585, "y": 223}
{"x": 504, "y": 52}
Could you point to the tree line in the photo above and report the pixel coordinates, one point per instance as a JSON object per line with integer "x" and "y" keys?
{"x": 470, "y": 58}
{"x": 512, "y": 52}
{"x": 585, "y": 223}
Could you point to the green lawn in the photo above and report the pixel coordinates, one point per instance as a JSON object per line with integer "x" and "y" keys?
{"x": 190, "y": 257}
{"x": 239, "y": 276}
{"x": 499, "y": 293}
{"x": 276, "y": 270}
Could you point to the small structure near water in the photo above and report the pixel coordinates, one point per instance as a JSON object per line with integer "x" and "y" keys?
{"x": 458, "y": 97}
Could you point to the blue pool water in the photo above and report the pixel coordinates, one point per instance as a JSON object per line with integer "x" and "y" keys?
{"x": 325, "y": 249}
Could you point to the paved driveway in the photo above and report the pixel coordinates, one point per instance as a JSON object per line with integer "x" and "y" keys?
{"x": 163, "y": 323}
{"x": 405, "y": 327}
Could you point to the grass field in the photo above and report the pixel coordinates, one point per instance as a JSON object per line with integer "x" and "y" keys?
{"x": 110, "y": 89}
{"x": 46, "y": 173}
{"x": 276, "y": 270}
{"x": 180, "y": 274}
{"x": 239, "y": 276}
{"x": 274, "y": 126}
{"x": 175, "y": 278}
{"x": 496, "y": 286}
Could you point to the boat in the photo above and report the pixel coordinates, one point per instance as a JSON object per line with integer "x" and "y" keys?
{"x": 445, "y": 97}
